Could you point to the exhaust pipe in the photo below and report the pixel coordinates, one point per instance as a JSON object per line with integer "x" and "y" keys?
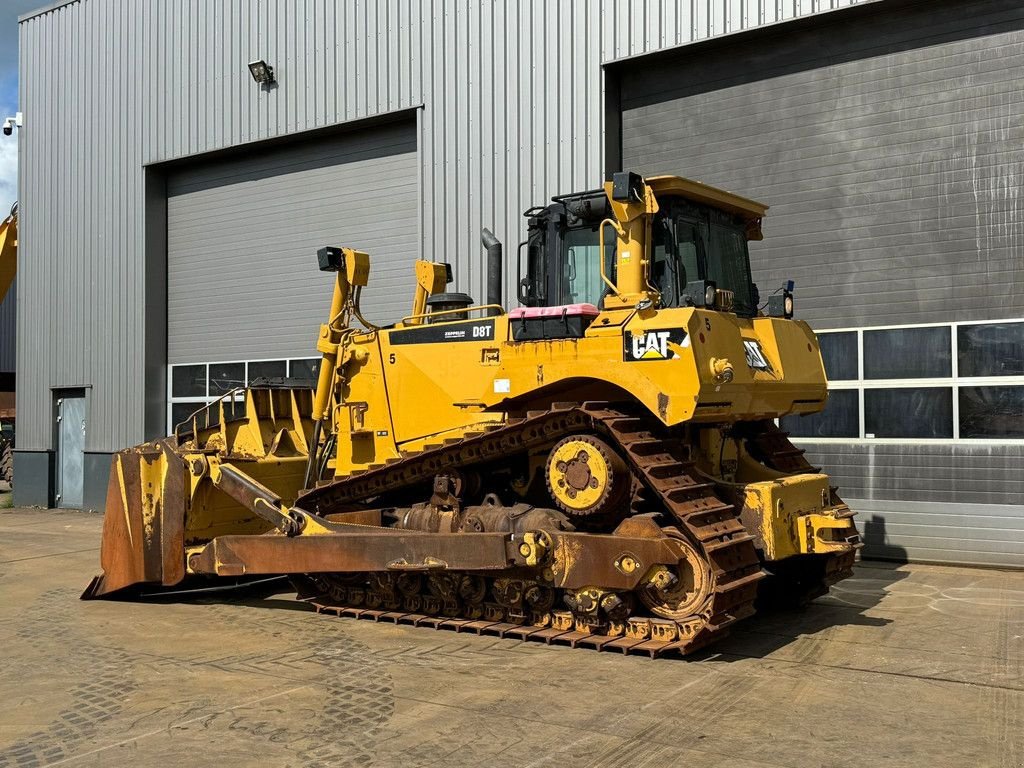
{"x": 494, "y": 266}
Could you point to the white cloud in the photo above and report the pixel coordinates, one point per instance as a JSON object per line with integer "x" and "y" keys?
{"x": 8, "y": 166}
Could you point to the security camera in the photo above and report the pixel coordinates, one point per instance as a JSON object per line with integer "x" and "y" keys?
{"x": 11, "y": 123}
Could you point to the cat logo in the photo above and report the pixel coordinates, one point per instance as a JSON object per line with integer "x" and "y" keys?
{"x": 755, "y": 357}
{"x": 653, "y": 345}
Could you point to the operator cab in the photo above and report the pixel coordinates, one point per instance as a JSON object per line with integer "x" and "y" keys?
{"x": 691, "y": 240}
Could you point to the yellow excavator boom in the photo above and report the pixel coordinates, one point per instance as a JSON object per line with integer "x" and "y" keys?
{"x": 8, "y": 252}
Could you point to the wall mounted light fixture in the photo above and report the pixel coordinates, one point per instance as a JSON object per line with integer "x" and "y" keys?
{"x": 262, "y": 72}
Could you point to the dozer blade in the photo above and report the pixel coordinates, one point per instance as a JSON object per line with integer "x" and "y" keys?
{"x": 143, "y": 524}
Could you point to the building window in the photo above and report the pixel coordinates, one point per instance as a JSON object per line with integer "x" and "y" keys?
{"x": 839, "y": 352}
{"x": 840, "y": 418}
{"x": 188, "y": 381}
{"x": 956, "y": 381}
{"x": 193, "y": 386}
{"x": 268, "y": 370}
{"x": 990, "y": 349}
{"x": 225, "y": 377}
{"x": 908, "y": 353}
{"x": 910, "y": 412}
{"x": 304, "y": 370}
{"x": 992, "y": 412}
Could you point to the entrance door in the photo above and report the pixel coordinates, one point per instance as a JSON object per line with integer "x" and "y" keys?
{"x": 70, "y": 429}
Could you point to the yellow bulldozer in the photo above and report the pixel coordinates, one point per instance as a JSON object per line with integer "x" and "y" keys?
{"x": 599, "y": 467}
{"x": 8, "y": 270}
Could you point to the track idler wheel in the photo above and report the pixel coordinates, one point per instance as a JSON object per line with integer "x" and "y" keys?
{"x": 586, "y": 478}
{"x": 678, "y": 592}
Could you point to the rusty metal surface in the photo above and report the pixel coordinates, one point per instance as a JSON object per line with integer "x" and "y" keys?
{"x": 172, "y": 517}
{"x": 604, "y": 600}
{"x": 356, "y": 517}
{"x": 367, "y": 550}
{"x": 143, "y": 531}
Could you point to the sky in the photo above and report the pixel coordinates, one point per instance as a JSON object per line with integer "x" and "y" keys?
{"x": 10, "y": 10}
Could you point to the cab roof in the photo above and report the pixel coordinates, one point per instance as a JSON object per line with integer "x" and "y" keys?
{"x": 749, "y": 210}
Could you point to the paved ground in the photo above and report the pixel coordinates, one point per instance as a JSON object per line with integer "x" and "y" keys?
{"x": 901, "y": 666}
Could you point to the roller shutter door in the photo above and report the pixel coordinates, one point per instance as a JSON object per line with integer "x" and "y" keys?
{"x": 888, "y": 140}
{"x": 242, "y": 237}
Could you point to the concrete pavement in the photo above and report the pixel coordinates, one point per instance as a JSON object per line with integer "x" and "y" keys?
{"x": 899, "y": 666}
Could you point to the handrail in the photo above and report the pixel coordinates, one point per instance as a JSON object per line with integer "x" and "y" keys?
{"x": 600, "y": 253}
{"x": 501, "y": 310}
{"x": 207, "y": 406}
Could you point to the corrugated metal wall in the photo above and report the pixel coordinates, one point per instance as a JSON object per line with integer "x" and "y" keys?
{"x": 8, "y": 329}
{"x": 81, "y": 279}
{"x": 513, "y": 113}
{"x": 941, "y": 503}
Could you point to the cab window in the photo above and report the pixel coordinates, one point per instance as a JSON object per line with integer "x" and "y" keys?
{"x": 581, "y": 272}
{"x": 729, "y": 265}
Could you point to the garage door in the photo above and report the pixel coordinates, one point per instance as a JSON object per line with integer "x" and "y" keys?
{"x": 242, "y": 237}
{"x": 888, "y": 140}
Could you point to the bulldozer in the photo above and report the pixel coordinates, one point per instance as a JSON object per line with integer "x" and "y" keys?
{"x": 599, "y": 467}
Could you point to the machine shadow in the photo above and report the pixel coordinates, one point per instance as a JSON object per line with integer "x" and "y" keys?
{"x": 847, "y": 604}
{"x": 276, "y": 593}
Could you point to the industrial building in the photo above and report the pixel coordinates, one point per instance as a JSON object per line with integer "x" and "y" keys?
{"x": 182, "y": 161}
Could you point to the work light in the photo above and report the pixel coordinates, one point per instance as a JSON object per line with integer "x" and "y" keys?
{"x": 261, "y": 72}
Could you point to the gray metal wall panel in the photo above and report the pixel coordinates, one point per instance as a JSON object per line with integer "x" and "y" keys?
{"x": 80, "y": 307}
{"x": 890, "y": 149}
{"x": 8, "y": 329}
{"x": 950, "y": 474}
{"x": 242, "y": 279}
{"x": 513, "y": 114}
{"x": 980, "y": 534}
{"x": 960, "y": 504}
{"x": 945, "y": 503}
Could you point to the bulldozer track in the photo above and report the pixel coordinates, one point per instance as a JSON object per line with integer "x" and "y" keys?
{"x": 691, "y": 509}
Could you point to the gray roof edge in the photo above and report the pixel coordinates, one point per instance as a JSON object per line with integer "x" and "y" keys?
{"x": 45, "y": 9}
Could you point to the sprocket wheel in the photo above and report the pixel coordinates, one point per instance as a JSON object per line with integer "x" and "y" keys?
{"x": 585, "y": 477}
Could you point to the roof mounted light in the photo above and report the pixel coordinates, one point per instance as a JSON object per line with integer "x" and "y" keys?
{"x": 700, "y": 293}
{"x": 780, "y": 304}
{"x": 627, "y": 187}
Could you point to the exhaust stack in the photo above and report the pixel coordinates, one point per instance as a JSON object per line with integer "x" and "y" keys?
{"x": 494, "y": 266}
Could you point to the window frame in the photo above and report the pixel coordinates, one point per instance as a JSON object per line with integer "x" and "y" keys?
{"x": 953, "y": 382}
{"x": 204, "y": 400}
